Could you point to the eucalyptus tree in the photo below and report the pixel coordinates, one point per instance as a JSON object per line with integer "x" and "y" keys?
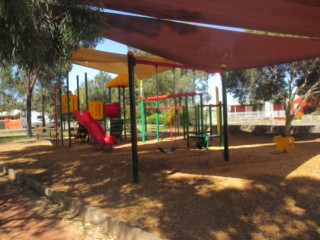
{"x": 279, "y": 83}
{"x": 37, "y": 35}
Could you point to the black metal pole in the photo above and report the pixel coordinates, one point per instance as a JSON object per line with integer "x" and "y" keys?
{"x": 119, "y": 100}
{"x": 78, "y": 93}
{"x": 60, "y": 111}
{"x": 86, "y": 90}
{"x": 210, "y": 119}
{"x": 124, "y": 113}
{"x": 135, "y": 160}
{"x": 201, "y": 114}
{"x": 225, "y": 116}
{"x": 120, "y": 110}
{"x": 68, "y": 116}
{"x": 187, "y": 120}
{"x": 110, "y": 100}
{"x": 104, "y": 106}
{"x": 87, "y": 98}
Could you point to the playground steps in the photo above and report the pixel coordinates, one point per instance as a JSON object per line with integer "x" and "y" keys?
{"x": 116, "y": 128}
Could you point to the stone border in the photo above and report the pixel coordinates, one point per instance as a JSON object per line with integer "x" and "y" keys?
{"x": 87, "y": 213}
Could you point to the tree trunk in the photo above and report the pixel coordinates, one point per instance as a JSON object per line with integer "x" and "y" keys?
{"x": 288, "y": 126}
{"x": 28, "y": 103}
{"x": 43, "y": 100}
{"x": 30, "y": 81}
{"x": 289, "y": 118}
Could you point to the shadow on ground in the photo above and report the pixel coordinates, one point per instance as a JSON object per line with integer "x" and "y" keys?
{"x": 191, "y": 194}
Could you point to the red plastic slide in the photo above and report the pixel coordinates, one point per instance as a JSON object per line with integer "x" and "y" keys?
{"x": 95, "y": 130}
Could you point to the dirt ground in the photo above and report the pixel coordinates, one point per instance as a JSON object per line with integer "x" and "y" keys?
{"x": 260, "y": 193}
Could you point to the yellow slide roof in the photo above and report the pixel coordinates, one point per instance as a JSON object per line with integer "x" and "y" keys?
{"x": 120, "y": 81}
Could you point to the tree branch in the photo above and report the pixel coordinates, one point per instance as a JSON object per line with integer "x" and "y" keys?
{"x": 307, "y": 95}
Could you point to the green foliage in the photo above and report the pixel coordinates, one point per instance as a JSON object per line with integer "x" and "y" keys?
{"x": 255, "y": 86}
{"x": 308, "y": 76}
{"x": 43, "y": 98}
{"x": 35, "y": 33}
{"x": 280, "y": 83}
{"x": 174, "y": 82}
{"x": 164, "y": 118}
{"x": 151, "y": 119}
{"x": 11, "y": 89}
{"x": 97, "y": 90}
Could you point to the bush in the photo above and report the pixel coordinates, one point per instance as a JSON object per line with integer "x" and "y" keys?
{"x": 163, "y": 118}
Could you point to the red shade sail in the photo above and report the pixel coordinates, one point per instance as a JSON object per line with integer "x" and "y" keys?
{"x": 297, "y": 17}
{"x": 207, "y": 48}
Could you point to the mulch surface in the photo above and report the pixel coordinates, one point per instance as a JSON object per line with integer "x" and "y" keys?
{"x": 261, "y": 193}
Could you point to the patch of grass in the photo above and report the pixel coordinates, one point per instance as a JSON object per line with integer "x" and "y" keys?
{"x": 11, "y": 138}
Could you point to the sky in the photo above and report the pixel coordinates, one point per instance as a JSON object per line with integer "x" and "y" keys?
{"x": 114, "y": 47}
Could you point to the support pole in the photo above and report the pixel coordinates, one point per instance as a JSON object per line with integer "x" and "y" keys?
{"x": 187, "y": 120}
{"x": 210, "y": 119}
{"x": 78, "y": 93}
{"x": 110, "y": 100}
{"x": 87, "y": 98}
{"x": 220, "y": 124}
{"x": 145, "y": 123}
{"x": 124, "y": 113}
{"x": 184, "y": 122}
{"x": 170, "y": 117}
{"x": 86, "y": 90}
{"x": 68, "y": 107}
{"x": 157, "y": 121}
{"x": 135, "y": 160}
{"x": 119, "y": 100}
{"x": 225, "y": 116}
{"x": 201, "y": 114}
{"x": 104, "y": 106}
{"x": 218, "y": 111}
{"x": 60, "y": 111}
{"x": 196, "y": 115}
{"x": 143, "y": 133}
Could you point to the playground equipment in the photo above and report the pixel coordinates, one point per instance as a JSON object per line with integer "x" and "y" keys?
{"x": 114, "y": 111}
{"x": 81, "y": 134}
{"x": 94, "y": 128}
{"x": 202, "y": 135}
{"x": 202, "y": 132}
{"x": 68, "y": 103}
{"x": 284, "y": 143}
{"x": 172, "y": 110}
{"x": 96, "y": 109}
{"x": 73, "y": 101}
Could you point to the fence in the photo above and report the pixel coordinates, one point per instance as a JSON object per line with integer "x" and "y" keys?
{"x": 257, "y": 117}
